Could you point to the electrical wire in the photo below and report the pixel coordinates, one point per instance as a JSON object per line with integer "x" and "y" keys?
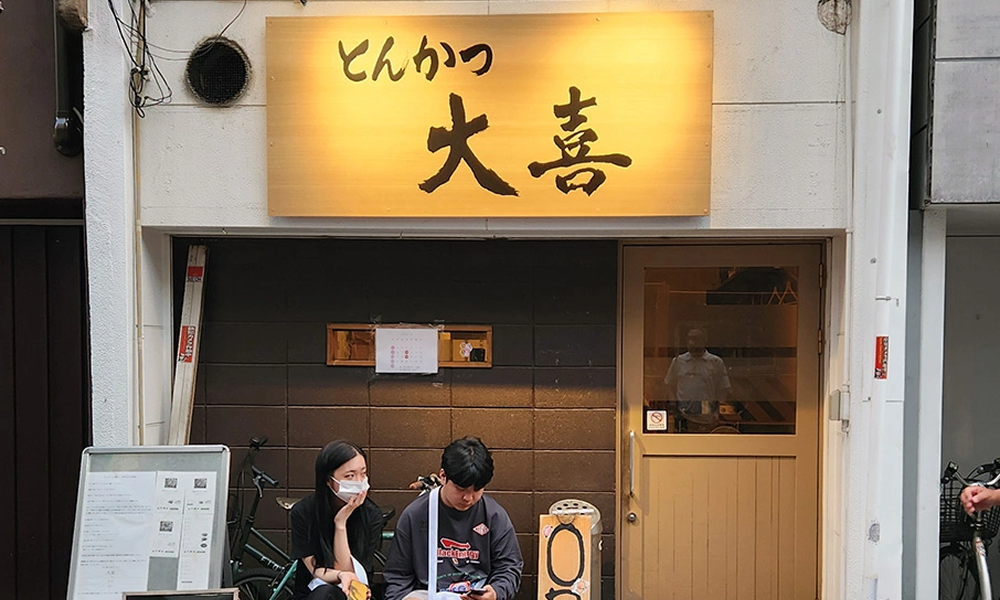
{"x": 145, "y": 69}
{"x": 143, "y": 63}
{"x": 203, "y": 48}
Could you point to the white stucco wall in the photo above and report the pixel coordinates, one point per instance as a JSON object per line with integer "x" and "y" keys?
{"x": 110, "y": 227}
{"x": 778, "y": 146}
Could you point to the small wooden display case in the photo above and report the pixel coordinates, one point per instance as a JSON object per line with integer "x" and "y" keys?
{"x": 462, "y": 346}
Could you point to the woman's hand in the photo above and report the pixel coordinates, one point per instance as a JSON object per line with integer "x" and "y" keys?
{"x": 340, "y": 519}
{"x": 346, "y": 577}
{"x": 977, "y": 497}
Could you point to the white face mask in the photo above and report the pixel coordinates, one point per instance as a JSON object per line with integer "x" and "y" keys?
{"x": 349, "y": 489}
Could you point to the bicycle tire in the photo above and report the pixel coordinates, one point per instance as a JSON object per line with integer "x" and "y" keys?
{"x": 958, "y": 575}
{"x": 259, "y": 584}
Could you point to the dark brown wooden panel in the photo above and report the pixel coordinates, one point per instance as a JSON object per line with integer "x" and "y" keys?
{"x": 31, "y": 407}
{"x": 8, "y": 489}
{"x": 67, "y": 391}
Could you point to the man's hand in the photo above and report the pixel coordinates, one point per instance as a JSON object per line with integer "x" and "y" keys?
{"x": 976, "y": 497}
{"x": 487, "y": 594}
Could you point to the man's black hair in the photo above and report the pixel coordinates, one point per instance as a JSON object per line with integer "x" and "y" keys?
{"x": 467, "y": 461}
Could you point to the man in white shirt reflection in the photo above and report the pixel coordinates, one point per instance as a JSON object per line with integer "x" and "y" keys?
{"x": 696, "y": 382}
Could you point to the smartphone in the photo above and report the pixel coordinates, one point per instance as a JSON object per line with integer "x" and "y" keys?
{"x": 476, "y": 592}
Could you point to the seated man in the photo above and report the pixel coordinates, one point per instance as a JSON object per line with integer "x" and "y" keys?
{"x": 478, "y": 557}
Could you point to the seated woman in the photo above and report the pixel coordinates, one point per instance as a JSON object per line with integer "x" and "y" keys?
{"x": 336, "y": 529}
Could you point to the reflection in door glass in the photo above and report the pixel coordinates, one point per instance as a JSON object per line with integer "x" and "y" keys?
{"x": 719, "y": 350}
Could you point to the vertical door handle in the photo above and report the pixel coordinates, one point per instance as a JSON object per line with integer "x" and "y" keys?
{"x": 631, "y": 463}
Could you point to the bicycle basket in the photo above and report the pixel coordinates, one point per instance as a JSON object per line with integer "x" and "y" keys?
{"x": 956, "y": 526}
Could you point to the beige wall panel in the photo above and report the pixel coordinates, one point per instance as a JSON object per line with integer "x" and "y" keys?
{"x": 730, "y": 551}
{"x": 785, "y": 505}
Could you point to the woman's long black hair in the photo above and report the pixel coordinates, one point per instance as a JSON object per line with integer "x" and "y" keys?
{"x": 330, "y": 458}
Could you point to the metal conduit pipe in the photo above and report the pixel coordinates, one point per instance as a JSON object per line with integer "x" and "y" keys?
{"x": 67, "y": 134}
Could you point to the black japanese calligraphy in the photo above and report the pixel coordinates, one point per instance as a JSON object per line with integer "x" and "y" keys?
{"x": 457, "y": 141}
{"x": 426, "y": 55}
{"x": 423, "y": 54}
{"x": 575, "y": 149}
{"x": 348, "y": 57}
{"x": 474, "y": 51}
{"x": 383, "y": 62}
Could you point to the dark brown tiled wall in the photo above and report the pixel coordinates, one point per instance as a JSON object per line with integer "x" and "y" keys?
{"x": 546, "y": 408}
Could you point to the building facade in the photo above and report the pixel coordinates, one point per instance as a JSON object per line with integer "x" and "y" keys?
{"x": 792, "y": 278}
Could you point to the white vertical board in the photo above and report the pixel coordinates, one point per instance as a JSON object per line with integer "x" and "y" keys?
{"x": 188, "y": 343}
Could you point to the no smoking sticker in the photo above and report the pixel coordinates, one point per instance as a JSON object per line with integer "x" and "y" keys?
{"x": 656, "y": 420}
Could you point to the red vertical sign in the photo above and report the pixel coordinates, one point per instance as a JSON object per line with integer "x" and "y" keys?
{"x": 185, "y": 347}
{"x": 881, "y": 357}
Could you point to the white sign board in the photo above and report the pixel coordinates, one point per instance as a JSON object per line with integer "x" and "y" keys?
{"x": 406, "y": 350}
{"x": 149, "y": 518}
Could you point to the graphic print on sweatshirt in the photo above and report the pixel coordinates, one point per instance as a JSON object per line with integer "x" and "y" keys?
{"x": 459, "y": 552}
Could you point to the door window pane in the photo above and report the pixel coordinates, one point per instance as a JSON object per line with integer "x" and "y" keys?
{"x": 720, "y": 350}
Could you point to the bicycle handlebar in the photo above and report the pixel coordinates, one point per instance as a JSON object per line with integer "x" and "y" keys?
{"x": 261, "y": 475}
{"x": 951, "y": 472}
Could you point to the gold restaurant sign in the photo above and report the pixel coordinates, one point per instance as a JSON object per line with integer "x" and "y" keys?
{"x": 490, "y": 116}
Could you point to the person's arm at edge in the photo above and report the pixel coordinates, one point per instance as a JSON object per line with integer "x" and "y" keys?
{"x": 341, "y": 546}
{"x": 727, "y": 386}
{"x": 976, "y": 497}
{"x": 506, "y": 562}
{"x": 399, "y": 576}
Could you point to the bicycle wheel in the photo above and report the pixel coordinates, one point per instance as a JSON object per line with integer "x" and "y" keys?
{"x": 958, "y": 576}
{"x": 259, "y": 584}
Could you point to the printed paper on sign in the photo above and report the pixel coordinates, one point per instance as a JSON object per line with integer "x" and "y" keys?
{"x": 406, "y": 350}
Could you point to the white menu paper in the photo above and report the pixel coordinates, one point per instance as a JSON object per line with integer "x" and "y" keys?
{"x": 114, "y": 545}
{"x": 196, "y": 532}
{"x": 406, "y": 350}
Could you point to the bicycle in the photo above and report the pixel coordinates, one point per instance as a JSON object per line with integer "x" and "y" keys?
{"x": 963, "y": 572}
{"x": 273, "y": 580}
